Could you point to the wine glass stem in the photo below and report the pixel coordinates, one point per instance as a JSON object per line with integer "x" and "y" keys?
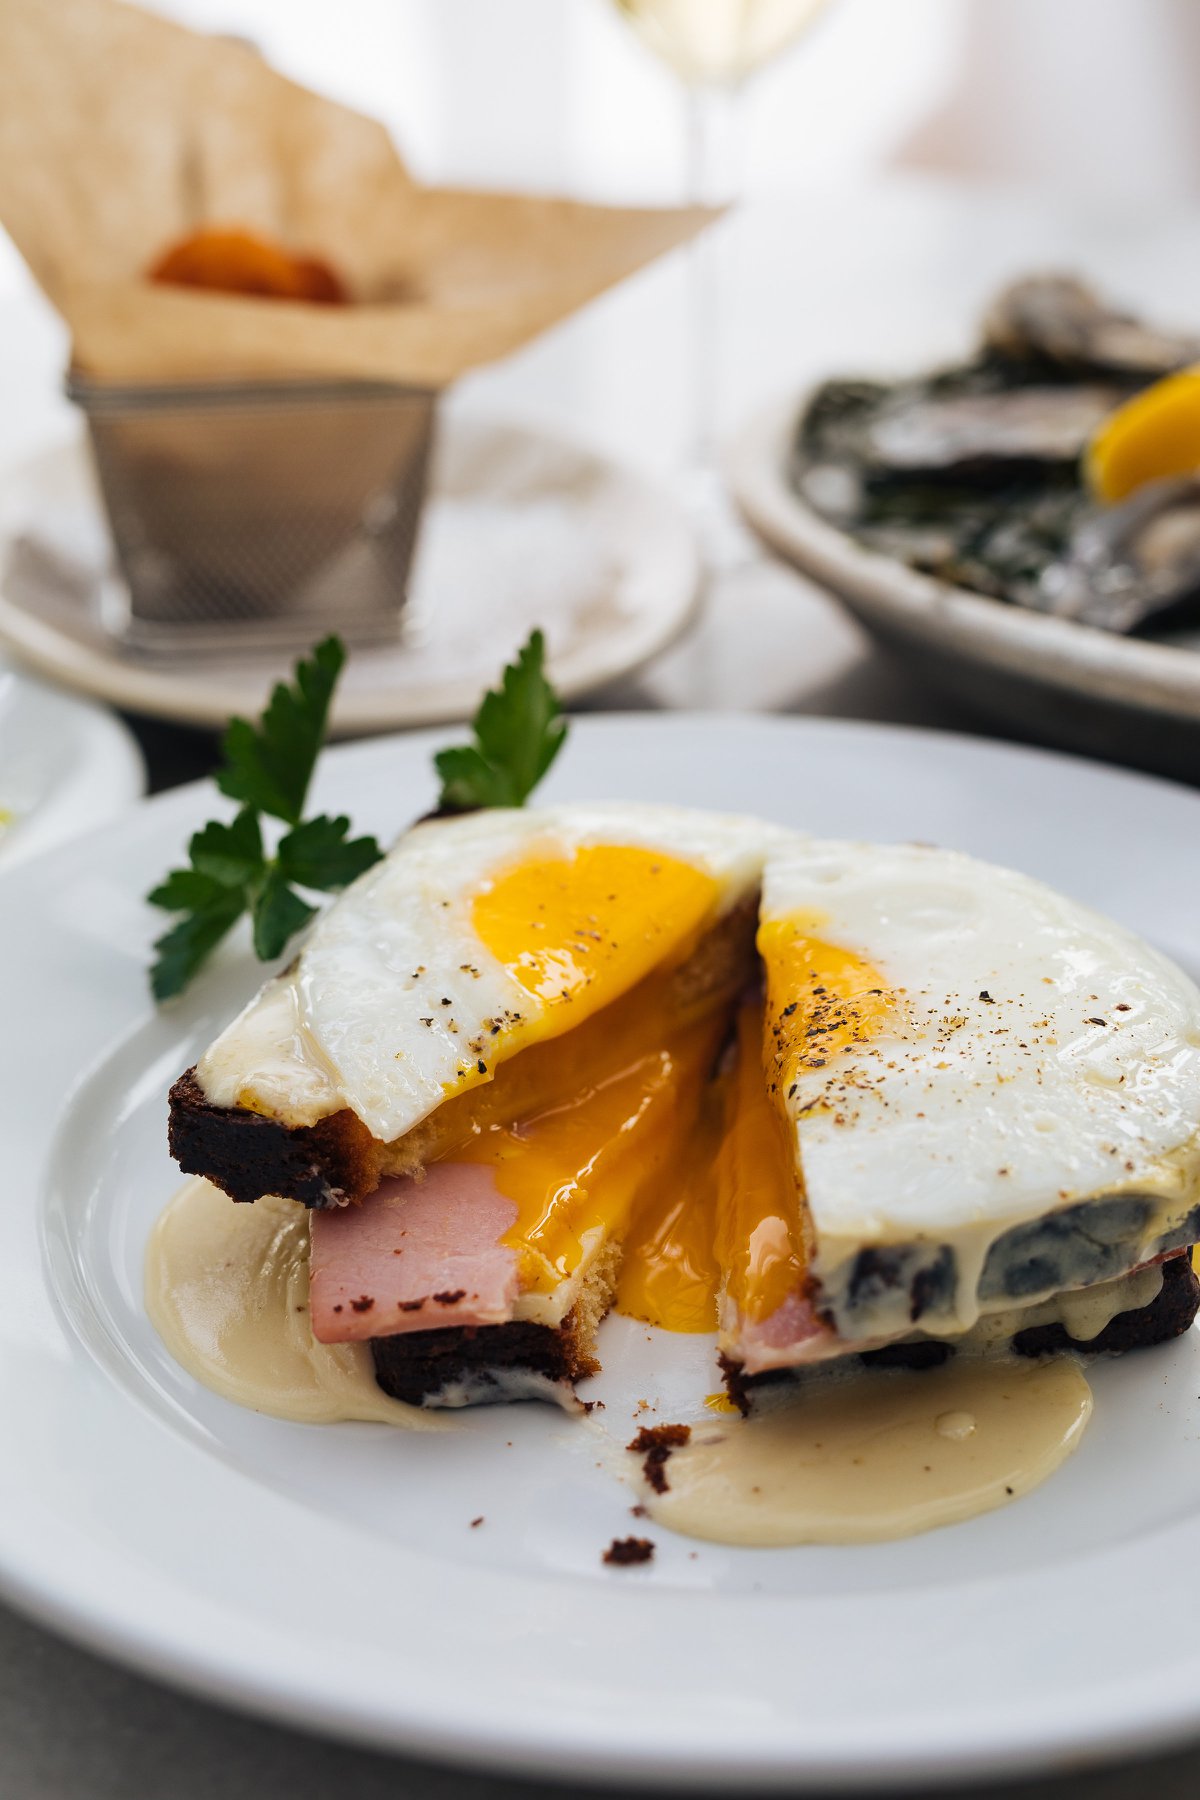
{"x": 713, "y": 179}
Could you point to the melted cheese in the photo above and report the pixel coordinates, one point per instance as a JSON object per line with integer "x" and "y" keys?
{"x": 1082, "y": 1312}
{"x": 876, "y": 1456}
{"x": 227, "y": 1291}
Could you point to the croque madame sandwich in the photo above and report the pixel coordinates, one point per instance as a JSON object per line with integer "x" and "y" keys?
{"x": 908, "y": 1100}
{"x": 485, "y": 1052}
{"x": 971, "y": 1112}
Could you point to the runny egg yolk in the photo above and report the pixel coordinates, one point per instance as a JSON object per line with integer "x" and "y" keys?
{"x": 669, "y": 1273}
{"x": 822, "y": 999}
{"x": 580, "y": 1168}
{"x": 585, "y": 928}
{"x": 734, "y": 1226}
{"x": 759, "y": 1230}
{"x": 631, "y": 1135}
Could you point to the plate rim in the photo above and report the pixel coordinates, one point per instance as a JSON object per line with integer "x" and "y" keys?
{"x": 138, "y": 686}
{"x": 1163, "y": 1718}
{"x": 58, "y": 819}
{"x": 1137, "y": 674}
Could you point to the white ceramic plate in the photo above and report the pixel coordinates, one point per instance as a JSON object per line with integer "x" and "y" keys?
{"x": 66, "y": 766}
{"x": 520, "y": 529}
{"x": 330, "y": 1576}
{"x": 1131, "y": 699}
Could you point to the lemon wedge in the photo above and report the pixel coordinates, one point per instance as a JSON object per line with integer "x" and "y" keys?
{"x": 1154, "y": 435}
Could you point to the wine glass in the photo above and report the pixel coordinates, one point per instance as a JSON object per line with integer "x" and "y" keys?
{"x": 719, "y": 41}
{"x": 714, "y": 46}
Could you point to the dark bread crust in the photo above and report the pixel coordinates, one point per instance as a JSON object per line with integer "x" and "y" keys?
{"x": 1168, "y": 1316}
{"x": 248, "y": 1155}
{"x": 418, "y": 1366}
{"x": 741, "y": 1387}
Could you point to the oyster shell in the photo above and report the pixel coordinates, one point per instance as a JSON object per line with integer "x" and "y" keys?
{"x": 972, "y": 473}
{"x": 982, "y": 436}
{"x": 1128, "y": 564}
{"x": 1059, "y": 319}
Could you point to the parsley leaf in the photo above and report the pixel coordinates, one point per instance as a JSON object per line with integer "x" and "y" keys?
{"x": 187, "y": 890}
{"x": 268, "y": 768}
{"x": 181, "y": 950}
{"x": 278, "y": 913}
{"x": 469, "y": 780}
{"x": 229, "y": 854}
{"x": 269, "y": 765}
{"x": 318, "y": 853}
{"x": 518, "y": 731}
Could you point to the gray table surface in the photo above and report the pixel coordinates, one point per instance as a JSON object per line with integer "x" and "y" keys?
{"x": 75, "y": 1728}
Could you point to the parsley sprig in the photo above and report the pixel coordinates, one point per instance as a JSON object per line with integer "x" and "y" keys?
{"x": 268, "y": 768}
{"x": 518, "y": 731}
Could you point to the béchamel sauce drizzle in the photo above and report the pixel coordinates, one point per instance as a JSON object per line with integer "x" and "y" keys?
{"x": 850, "y": 1458}
{"x": 227, "y": 1291}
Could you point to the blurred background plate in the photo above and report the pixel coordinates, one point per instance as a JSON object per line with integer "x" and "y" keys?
{"x": 66, "y": 766}
{"x": 1131, "y": 700}
{"x": 521, "y": 528}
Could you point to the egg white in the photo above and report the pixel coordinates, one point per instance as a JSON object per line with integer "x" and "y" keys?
{"x": 348, "y": 1026}
{"x": 1077, "y": 1076}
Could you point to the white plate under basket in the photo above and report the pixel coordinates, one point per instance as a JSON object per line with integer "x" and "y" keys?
{"x": 519, "y": 529}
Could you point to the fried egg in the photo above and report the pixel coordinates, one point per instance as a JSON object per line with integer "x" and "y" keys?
{"x": 476, "y": 938}
{"x": 989, "y": 1092}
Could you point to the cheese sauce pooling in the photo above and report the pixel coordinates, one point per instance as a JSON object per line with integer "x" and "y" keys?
{"x": 877, "y": 1455}
{"x": 227, "y": 1291}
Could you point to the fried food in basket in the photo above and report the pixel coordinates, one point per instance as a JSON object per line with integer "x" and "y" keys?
{"x": 230, "y": 260}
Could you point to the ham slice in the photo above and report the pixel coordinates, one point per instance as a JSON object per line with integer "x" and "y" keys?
{"x": 414, "y": 1255}
{"x": 793, "y": 1333}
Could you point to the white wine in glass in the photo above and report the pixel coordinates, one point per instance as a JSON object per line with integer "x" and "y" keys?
{"x": 718, "y": 43}
{"x": 714, "y": 46}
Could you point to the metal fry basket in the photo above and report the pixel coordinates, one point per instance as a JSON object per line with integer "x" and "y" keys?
{"x": 257, "y": 514}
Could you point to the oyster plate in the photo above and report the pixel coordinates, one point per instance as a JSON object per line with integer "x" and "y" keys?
{"x": 1131, "y": 700}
